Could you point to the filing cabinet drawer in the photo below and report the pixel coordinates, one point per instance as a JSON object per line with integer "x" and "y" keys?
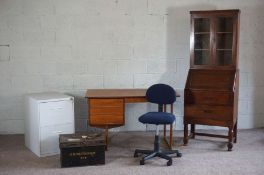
{"x": 221, "y": 113}
{"x": 57, "y": 112}
{"x": 209, "y": 97}
{"x": 50, "y": 138}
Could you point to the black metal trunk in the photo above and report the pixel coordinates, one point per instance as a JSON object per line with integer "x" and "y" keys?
{"x": 82, "y": 149}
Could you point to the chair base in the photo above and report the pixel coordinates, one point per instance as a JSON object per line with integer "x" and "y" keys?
{"x": 162, "y": 154}
{"x": 156, "y": 152}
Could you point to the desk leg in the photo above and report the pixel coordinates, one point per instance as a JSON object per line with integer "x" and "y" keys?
{"x": 106, "y": 137}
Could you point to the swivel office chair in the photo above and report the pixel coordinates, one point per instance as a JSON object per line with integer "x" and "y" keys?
{"x": 160, "y": 94}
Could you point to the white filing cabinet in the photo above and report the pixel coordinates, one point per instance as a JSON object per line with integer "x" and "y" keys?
{"x": 47, "y": 115}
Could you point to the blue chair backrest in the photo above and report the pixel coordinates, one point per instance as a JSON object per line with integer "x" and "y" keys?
{"x": 161, "y": 94}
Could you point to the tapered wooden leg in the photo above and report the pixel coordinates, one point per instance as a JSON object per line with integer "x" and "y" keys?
{"x": 193, "y": 130}
{"x": 235, "y": 133}
{"x": 185, "y": 139}
{"x": 230, "y": 138}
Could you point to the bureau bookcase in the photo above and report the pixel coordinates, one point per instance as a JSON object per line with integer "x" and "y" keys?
{"x": 211, "y": 90}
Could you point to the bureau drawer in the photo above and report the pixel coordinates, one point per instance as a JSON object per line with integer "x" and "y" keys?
{"x": 56, "y": 112}
{"x": 209, "y": 97}
{"x": 222, "y": 113}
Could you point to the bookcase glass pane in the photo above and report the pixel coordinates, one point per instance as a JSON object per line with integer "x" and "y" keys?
{"x": 201, "y": 57}
{"x": 201, "y": 41}
{"x": 201, "y": 25}
{"x": 224, "y": 24}
{"x": 224, "y": 41}
{"x": 224, "y": 57}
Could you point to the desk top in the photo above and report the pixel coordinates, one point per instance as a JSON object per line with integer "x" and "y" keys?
{"x": 116, "y": 93}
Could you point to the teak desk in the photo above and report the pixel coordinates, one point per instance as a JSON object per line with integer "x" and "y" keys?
{"x": 106, "y": 108}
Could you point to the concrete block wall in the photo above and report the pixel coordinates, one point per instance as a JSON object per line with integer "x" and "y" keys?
{"x": 73, "y": 45}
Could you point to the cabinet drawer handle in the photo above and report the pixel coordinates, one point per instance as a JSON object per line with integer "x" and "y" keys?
{"x": 59, "y": 108}
{"x": 207, "y": 111}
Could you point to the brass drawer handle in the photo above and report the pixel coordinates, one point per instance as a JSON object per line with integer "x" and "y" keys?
{"x": 209, "y": 98}
{"x": 207, "y": 111}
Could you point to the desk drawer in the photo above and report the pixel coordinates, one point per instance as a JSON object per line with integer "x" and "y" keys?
{"x": 209, "y": 97}
{"x": 106, "y": 102}
{"x": 106, "y": 111}
{"x": 106, "y": 120}
{"x": 222, "y": 113}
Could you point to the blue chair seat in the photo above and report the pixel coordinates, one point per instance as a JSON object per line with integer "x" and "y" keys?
{"x": 157, "y": 118}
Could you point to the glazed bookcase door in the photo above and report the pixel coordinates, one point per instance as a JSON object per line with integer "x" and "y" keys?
{"x": 224, "y": 36}
{"x": 201, "y": 41}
